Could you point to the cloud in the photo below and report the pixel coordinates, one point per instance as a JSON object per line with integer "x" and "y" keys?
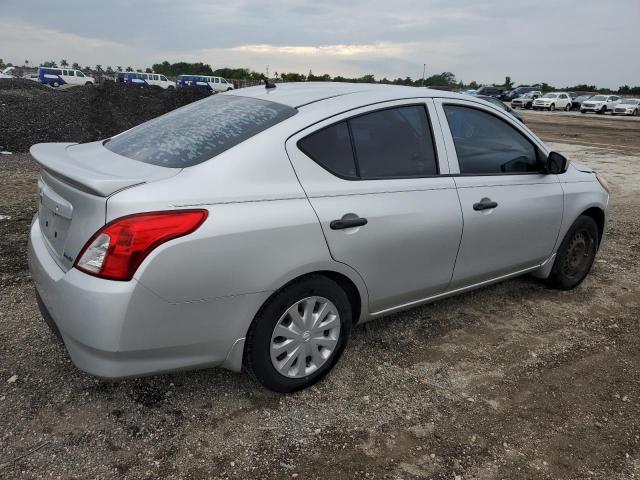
{"x": 562, "y": 43}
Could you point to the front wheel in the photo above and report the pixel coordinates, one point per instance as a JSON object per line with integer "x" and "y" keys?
{"x": 636, "y": 112}
{"x": 576, "y": 254}
{"x": 552, "y": 108}
{"x": 55, "y": 84}
{"x": 603, "y": 110}
{"x": 567, "y": 107}
{"x": 299, "y": 334}
{"x": 88, "y": 83}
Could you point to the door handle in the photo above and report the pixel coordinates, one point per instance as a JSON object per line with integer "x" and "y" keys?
{"x": 485, "y": 204}
{"x": 349, "y": 220}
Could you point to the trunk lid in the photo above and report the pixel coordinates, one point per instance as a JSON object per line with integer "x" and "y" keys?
{"x": 74, "y": 186}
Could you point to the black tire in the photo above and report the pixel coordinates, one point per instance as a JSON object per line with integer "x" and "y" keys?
{"x": 603, "y": 110}
{"x": 257, "y": 353}
{"x": 89, "y": 83}
{"x": 582, "y": 111}
{"x": 576, "y": 254}
{"x": 552, "y": 108}
{"x": 55, "y": 84}
{"x": 528, "y": 106}
{"x": 567, "y": 108}
{"x": 636, "y": 112}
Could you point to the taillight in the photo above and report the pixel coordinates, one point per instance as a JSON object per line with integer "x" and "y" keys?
{"x": 116, "y": 251}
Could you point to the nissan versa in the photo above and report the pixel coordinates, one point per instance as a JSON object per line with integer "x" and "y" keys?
{"x": 254, "y": 228}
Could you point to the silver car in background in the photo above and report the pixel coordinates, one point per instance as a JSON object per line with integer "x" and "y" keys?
{"x": 526, "y": 100}
{"x": 255, "y": 228}
{"x": 628, "y": 106}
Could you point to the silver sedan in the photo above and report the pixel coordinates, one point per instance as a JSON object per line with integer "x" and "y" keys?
{"x": 254, "y": 228}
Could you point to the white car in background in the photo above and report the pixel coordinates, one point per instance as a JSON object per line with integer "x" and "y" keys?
{"x": 553, "y": 101}
{"x": 5, "y": 73}
{"x": 600, "y": 104}
{"x": 628, "y": 106}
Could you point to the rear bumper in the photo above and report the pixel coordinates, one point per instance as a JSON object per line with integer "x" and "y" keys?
{"x": 122, "y": 329}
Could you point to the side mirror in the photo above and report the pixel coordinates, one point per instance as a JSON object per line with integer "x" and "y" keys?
{"x": 556, "y": 163}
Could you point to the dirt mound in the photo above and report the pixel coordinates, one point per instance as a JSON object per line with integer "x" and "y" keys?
{"x": 32, "y": 113}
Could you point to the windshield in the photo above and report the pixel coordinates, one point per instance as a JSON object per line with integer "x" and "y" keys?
{"x": 550, "y": 95}
{"x": 582, "y": 98}
{"x": 599, "y": 98}
{"x": 199, "y": 131}
{"x": 630, "y": 101}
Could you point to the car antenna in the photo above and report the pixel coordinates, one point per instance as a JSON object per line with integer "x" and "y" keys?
{"x": 268, "y": 84}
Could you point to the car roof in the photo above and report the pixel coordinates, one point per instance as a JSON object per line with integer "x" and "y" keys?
{"x": 301, "y": 94}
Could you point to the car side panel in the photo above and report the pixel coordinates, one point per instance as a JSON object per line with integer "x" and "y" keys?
{"x": 407, "y": 249}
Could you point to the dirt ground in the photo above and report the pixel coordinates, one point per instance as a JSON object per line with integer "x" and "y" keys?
{"x": 513, "y": 381}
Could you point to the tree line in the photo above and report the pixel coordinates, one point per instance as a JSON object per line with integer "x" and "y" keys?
{"x": 442, "y": 80}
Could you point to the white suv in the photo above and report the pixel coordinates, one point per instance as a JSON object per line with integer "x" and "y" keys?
{"x": 600, "y": 104}
{"x": 553, "y": 101}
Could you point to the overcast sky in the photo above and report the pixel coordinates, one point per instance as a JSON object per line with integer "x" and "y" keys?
{"x": 561, "y": 42}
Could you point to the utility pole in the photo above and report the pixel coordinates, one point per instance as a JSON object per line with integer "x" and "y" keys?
{"x": 267, "y": 72}
{"x": 424, "y": 70}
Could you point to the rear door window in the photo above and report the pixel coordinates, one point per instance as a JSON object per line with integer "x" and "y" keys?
{"x": 199, "y": 131}
{"x": 331, "y": 148}
{"x": 390, "y": 143}
{"x": 395, "y": 142}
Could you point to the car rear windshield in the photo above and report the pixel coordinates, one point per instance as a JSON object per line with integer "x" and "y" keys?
{"x": 199, "y": 131}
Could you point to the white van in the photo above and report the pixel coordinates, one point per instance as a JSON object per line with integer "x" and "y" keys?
{"x": 144, "y": 79}
{"x": 213, "y": 84}
{"x": 60, "y": 76}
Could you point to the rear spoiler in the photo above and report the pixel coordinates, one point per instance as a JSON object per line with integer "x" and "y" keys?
{"x": 94, "y": 169}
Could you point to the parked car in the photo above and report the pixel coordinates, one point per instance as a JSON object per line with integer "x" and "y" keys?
{"x": 627, "y": 106}
{"x": 502, "y": 105}
{"x": 213, "y": 84}
{"x": 600, "y": 104}
{"x": 139, "y": 79}
{"x": 518, "y": 92}
{"x": 471, "y": 91}
{"x": 6, "y": 73}
{"x": 577, "y": 101}
{"x": 574, "y": 95}
{"x": 553, "y": 101}
{"x": 526, "y": 100}
{"x": 252, "y": 229}
{"x": 61, "y": 76}
{"x": 490, "y": 91}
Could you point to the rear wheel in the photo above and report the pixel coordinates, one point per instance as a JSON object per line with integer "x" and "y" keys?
{"x": 299, "y": 334}
{"x": 55, "y": 84}
{"x": 576, "y": 254}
